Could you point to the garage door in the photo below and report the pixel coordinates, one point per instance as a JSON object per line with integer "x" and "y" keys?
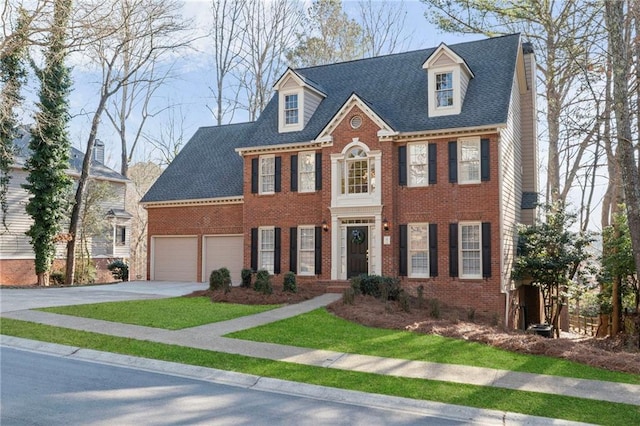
{"x": 223, "y": 251}
{"x": 175, "y": 258}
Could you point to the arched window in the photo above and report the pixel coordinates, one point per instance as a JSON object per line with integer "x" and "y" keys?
{"x": 358, "y": 172}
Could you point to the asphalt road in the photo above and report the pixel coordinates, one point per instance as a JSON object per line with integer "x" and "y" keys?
{"x": 42, "y": 389}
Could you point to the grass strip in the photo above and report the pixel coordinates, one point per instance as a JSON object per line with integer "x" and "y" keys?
{"x": 321, "y": 330}
{"x": 530, "y": 403}
{"x": 171, "y": 314}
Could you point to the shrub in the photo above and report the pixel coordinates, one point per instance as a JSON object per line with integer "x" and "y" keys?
{"x": 119, "y": 270}
{"x": 356, "y": 284}
{"x": 381, "y": 287}
{"x": 405, "y": 302}
{"x": 226, "y": 279}
{"x": 434, "y": 311}
{"x": 420, "y": 296}
{"x": 85, "y": 272}
{"x": 348, "y": 296}
{"x": 289, "y": 284}
{"x": 57, "y": 278}
{"x": 246, "y": 275}
{"x": 216, "y": 280}
{"x": 263, "y": 282}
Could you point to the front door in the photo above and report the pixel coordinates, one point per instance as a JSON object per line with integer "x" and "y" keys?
{"x": 357, "y": 251}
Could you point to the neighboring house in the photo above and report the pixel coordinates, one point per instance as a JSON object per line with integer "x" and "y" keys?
{"x": 16, "y": 253}
{"x": 417, "y": 165}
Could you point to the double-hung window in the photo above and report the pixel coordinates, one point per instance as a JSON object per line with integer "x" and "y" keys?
{"x": 266, "y": 254}
{"x": 291, "y": 109}
{"x": 306, "y": 250}
{"x": 418, "y": 164}
{"x": 470, "y": 250}
{"x": 307, "y": 171}
{"x": 469, "y": 160}
{"x": 444, "y": 90}
{"x": 358, "y": 175}
{"x": 419, "y": 250}
{"x": 267, "y": 174}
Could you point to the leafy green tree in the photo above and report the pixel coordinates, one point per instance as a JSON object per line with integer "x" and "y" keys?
{"x": 48, "y": 181}
{"x": 333, "y": 37}
{"x": 550, "y": 255}
{"x": 13, "y": 75}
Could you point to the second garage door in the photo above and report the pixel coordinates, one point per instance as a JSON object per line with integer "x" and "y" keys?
{"x": 175, "y": 258}
{"x": 223, "y": 251}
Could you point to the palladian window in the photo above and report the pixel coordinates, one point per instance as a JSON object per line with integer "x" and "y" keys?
{"x": 358, "y": 173}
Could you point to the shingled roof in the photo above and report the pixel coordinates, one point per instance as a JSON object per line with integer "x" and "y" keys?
{"x": 207, "y": 167}
{"x": 394, "y": 86}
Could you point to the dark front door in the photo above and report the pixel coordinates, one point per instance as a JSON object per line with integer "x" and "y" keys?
{"x": 357, "y": 251}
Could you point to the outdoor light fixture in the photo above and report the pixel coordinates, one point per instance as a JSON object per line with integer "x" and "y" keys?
{"x": 325, "y": 227}
{"x": 385, "y": 224}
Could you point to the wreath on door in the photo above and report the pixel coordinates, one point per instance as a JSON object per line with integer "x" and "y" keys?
{"x": 357, "y": 236}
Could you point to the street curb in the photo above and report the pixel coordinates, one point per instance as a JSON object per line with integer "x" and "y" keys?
{"x": 428, "y": 408}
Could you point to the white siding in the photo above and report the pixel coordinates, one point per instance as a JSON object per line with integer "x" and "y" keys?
{"x": 464, "y": 83}
{"x": 443, "y": 61}
{"x": 510, "y": 163}
{"x": 290, "y": 84}
{"x": 311, "y": 102}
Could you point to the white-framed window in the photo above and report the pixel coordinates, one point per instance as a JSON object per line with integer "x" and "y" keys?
{"x": 121, "y": 235}
{"x": 470, "y": 238}
{"x": 306, "y": 250}
{"x": 291, "y": 110}
{"x": 469, "y": 160}
{"x": 444, "y": 90}
{"x": 358, "y": 173}
{"x": 267, "y": 174}
{"x": 418, "y": 164}
{"x": 266, "y": 248}
{"x": 307, "y": 171}
{"x": 418, "y": 250}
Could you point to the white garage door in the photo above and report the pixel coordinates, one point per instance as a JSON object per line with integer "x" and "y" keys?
{"x": 175, "y": 258}
{"x": 223, "y": 251}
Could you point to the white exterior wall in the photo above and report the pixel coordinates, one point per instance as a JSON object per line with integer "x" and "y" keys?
{"x": 311, "y": 102}
{"x": 510, "y": 163}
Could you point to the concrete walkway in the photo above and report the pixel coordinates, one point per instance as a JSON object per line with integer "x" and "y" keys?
{"x": 210, "y": 337}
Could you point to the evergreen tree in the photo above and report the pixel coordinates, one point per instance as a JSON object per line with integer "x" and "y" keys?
{"x": 48, "y": 181}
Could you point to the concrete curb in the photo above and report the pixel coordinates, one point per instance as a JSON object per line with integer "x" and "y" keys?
{"x": 447, "y": 411}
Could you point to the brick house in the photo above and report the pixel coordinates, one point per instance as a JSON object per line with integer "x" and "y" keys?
{"x": 417, "y": 165}
{"x": 16, "y": 253}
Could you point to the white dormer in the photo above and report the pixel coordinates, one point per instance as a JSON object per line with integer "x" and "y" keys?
{"x": 448, "y": 78}
{"x": 297, "y": 101}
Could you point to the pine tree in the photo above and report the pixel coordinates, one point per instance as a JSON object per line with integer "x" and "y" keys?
{"x": 48, "y": 181}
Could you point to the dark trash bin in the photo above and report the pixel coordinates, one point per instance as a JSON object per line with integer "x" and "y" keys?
{"x": 544, "y": 330}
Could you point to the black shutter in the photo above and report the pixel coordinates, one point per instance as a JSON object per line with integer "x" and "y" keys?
{"x": 318, "y": 171}
{"x": 318, "y": 244}
{"x": 254, "y": 249}
{"x": 403, "y": 251}
{"x": 402, "y": 165}
{"x": 294, "y": 173}
{"x": 453, "y": 249}
{"x": 433, "y": 163}
{"x": 276, "y": 251}
{"x": 293, "y": 250}
{"x": 484, "y": 160}
{"x": 433, "y": 250}
{"x": 453, "y": 162}
{"x": 278, "y": 171}
{"x": 486, "y": 249}
{"x": 254, "y": 176}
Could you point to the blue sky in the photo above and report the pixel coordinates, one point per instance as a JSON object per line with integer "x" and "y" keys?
{"x": 189, "y": 90}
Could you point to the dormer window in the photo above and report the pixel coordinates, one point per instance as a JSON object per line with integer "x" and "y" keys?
{"x": 448, "y": 78}
{"x": 291, "y": 109}
{"x": 444, "y": 90}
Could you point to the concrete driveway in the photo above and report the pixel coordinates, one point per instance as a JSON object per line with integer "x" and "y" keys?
{"x": 13, "y": 299}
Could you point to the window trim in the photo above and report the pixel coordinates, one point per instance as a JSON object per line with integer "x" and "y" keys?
{"x": 438, "y": 91}
{"x": 261, "y": 251}
{"x": 260, "y": 175}
{"x": 312, "y": 250}
{"x": 462, "y": 180}
{"x": 410, "y": 182}
{"x": 411, "y": 250}
{"x": 461, "y": 270}
{"x": 312, "y": 173}
{"x": 286, "y": 109}
{"x": 283, "y": 126}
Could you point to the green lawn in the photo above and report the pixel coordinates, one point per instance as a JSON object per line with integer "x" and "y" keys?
{"x": 171, "y": 314}
{"x": 553, "y": 406}
{"x": 321, "y": 330}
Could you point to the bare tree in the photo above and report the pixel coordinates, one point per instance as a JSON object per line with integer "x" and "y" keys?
{"x": 142, "y": 30}
{"x": 227, "y": 34}
{"x": 270, "y": 31}
{"x": 169, "y": 138}
{"x": 384, "y": 26}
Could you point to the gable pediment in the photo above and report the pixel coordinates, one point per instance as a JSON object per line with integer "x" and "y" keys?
{"x": 355, "y": 101}
{"x": 444, "y": 57}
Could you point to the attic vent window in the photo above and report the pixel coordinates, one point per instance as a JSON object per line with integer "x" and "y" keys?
{"x": 356, "y": 122}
